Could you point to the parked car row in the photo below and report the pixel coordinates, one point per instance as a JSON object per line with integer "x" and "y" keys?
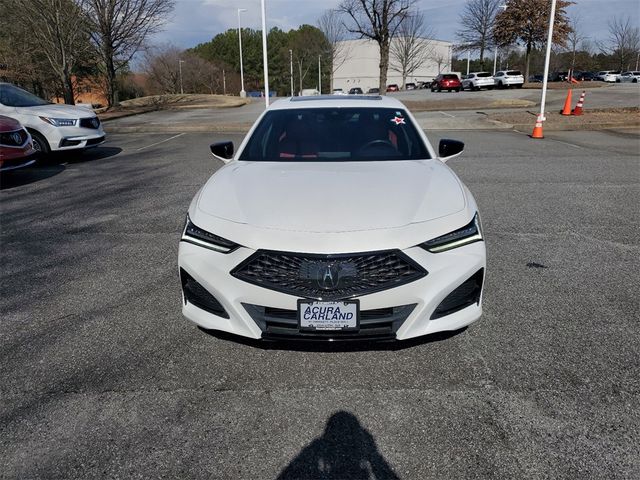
{"x": 30, "y": 125}
{"x": 477, "y": 81}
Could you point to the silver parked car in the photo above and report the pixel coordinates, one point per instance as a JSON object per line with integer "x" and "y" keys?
{"x": 629, "y": 77}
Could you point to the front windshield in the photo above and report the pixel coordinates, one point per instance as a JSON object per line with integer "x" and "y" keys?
{"x": 12, "y": 96}
{"x": 335, "y": 134}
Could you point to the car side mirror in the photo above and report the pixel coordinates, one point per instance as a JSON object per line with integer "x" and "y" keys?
{"x": 448, "y": 149}
{"x": 222, "y": 151}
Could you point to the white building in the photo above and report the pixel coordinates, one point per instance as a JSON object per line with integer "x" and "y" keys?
{"x": 362, "y": 58}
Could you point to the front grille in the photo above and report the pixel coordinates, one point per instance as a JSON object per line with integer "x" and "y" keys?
{"x": 92, "y": 122}
{"x": 330, "y": 277}
{"x": 465, "y": 295}
{"x": 16, "y": 138}
{"x": 376, "y": 323}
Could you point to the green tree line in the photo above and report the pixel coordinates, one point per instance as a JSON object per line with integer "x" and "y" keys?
{"x": 302, "y": 48}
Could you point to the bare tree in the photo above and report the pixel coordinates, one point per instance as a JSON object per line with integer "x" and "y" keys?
{"x": 574, "y": 39}
{"x": 623, "y": 42}
{"x": 162, "y": 66}
{"x": 330, "y": 23}
{"x": 56, "y": 30}
{"x": 119, "y": 29}
{"x": 377, "y": 20}
{"x": 411, "y": 47}
{"x": 163, "y": 69}
{"x": 477, "y": 20}
{"x": 440, "y": 59}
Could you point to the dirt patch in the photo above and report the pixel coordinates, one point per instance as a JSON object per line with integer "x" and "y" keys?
{"x": 567, "y": 86}
{"x": 465, "y": 104}
{"x": 186, "y": 101}
{"x": 152, "y": 103}
{"x": 591, "y": 119}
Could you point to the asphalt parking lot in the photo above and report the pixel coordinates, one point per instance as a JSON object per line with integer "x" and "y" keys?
{"x": 102, "y": 377}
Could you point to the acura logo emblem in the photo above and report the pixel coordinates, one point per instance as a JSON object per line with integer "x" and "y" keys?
{"x": 17, "y": 138}
{"x": 329, "y": 279}
{"x": 328, "y": 275}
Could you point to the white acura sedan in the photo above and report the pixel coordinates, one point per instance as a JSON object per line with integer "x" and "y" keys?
{"x": 53, "y": 127}
{"x": 335, "y": 219}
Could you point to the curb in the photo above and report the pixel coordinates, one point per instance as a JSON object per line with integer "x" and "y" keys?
{"x": 198, "y": 128}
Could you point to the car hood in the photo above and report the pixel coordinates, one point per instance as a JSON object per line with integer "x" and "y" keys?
{"x": 8, "y": 124}
{"x": 56, "y": 111}
{"x": 330, "y": 197}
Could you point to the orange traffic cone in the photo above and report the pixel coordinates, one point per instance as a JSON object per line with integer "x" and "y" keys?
{"x": 567, "y": 104}
{"x": 537, "y": 131}
{"x": 578, "y": 109}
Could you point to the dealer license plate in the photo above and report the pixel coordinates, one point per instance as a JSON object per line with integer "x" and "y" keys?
{"x": 328, "y": 316}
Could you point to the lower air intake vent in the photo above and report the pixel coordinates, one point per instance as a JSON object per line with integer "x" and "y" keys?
{"x": 197, "y": 295}
{"x": 465, "y": 295}
{"x": 376, "y": 323}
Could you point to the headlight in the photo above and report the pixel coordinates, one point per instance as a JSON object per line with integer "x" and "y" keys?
{"x": 197, "y": 236}
{"x": 463, "y": 236}
{"x": 60, "y": 122}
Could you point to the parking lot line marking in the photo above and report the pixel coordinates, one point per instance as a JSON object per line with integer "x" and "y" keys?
{"x": 162, "y": 141}
{"x": 567, "y": 143}
{"x": 447, "y": 114}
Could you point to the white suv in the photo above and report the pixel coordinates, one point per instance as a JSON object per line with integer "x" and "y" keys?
{"x": 610, "y": 76}
{"x": 53, "y": 127}
{"x": 508, "y": 78}
{"x": 477, "y": 80}
{"x": 632, "y": 77}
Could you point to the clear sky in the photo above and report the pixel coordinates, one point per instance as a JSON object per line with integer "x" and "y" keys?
{"x": 197, "y": 21}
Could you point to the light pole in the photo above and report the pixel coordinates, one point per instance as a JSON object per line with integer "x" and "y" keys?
{"x": 546, "y": 62}
{"x": 291, "y": 69}
{"x": 264, "y": 53}
{"x": 495, "y": 58}
{"x": 495, "y": 51}
{"x": 180, "y": 62}
{"x": 319, "y": 76}
{"x": 468, "y": 59}
{"x": 242, "y": 92}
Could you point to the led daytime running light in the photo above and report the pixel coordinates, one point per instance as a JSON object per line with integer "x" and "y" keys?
{"x": 202, "y": 238}
{"x": 463, "y": 236}
{"x": 60, "y": 122}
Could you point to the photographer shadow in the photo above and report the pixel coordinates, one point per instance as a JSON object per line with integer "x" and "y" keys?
{"x": 345, "y": 451}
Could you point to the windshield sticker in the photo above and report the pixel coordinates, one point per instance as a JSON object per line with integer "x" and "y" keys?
{"x": 398, "y": 120}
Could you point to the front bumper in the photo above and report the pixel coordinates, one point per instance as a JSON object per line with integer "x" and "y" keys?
{"x": 14, "y": 162}
{"x": 72, "y": 138}
{"x": 415, "y": 303}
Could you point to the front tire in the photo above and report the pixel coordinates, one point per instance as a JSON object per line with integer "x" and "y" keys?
{"x": 40, "y": 144}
